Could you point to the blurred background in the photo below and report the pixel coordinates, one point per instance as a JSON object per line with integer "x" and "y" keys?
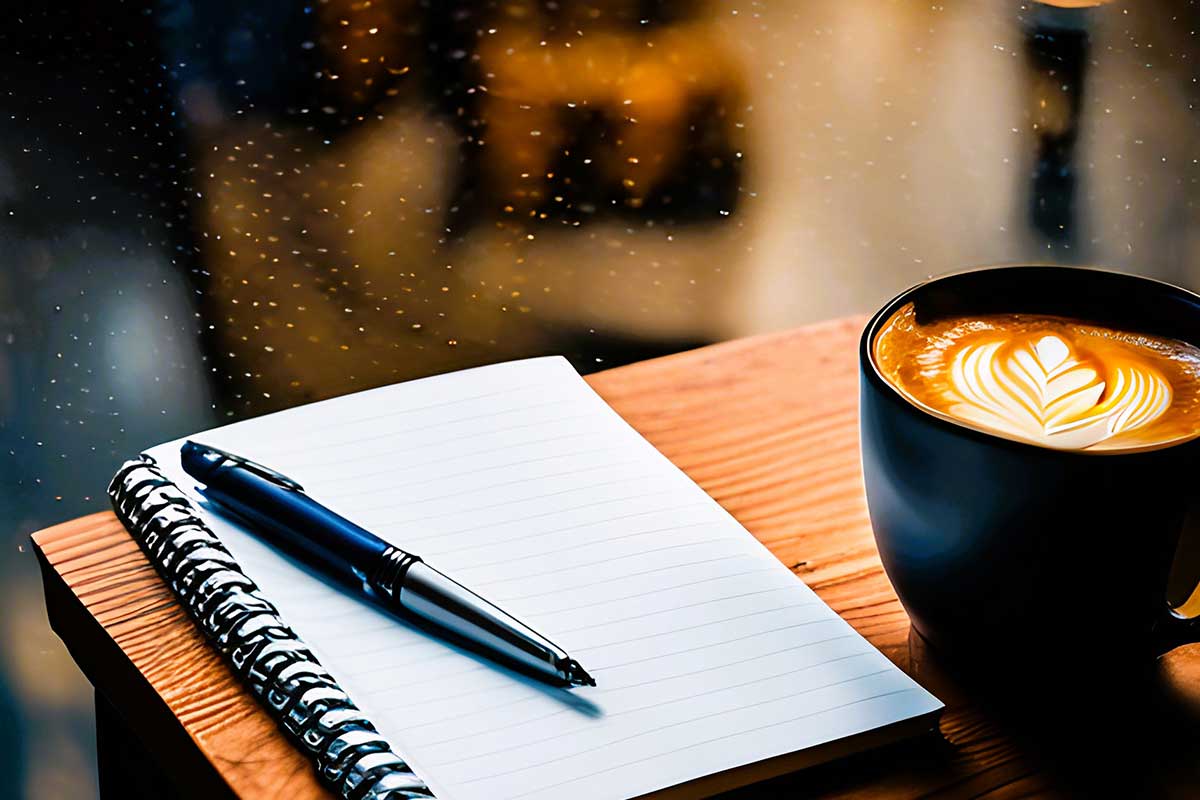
{"x": 212, "y": 209}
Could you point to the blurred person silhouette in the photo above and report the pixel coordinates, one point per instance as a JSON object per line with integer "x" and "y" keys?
{"x": 1057, "y": 45}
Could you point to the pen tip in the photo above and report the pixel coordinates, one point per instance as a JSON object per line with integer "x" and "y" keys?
{"x": 577, "y": 675}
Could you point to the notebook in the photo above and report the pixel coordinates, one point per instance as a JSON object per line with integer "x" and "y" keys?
{"x": 716, "y": 666}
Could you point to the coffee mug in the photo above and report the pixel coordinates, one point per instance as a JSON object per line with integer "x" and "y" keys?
{"x": 999, "y": 549}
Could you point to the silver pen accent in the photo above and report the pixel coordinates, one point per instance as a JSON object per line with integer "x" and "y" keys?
{"x": 418, "y": 589}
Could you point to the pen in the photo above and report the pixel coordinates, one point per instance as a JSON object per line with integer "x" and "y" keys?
{"x": 278, "y": 507}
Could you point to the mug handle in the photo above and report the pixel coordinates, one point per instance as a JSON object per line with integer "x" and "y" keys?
{"x": 1181, "y": 624}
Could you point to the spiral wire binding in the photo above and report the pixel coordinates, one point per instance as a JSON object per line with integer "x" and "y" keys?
{"x": 266, "y": 654}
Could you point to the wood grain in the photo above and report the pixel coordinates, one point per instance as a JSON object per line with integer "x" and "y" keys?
{"x": 768, "y": 427}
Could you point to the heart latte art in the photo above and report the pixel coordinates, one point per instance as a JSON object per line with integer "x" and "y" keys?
{"x": 1050, "y": 381}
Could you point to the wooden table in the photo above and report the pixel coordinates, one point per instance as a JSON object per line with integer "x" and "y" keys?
{"x": 768, "y": 427}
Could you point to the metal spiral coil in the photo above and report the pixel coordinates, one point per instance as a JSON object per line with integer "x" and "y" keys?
{"x": 278, "y": 667}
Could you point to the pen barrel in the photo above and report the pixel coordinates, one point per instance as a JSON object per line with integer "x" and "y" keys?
{"x": 278, "y": 508}
{"x": 297, "y": 524}
{"x": 427, "y": 594}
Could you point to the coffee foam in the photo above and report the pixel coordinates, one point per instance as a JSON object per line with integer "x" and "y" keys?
{"x": 1050, "y": 381}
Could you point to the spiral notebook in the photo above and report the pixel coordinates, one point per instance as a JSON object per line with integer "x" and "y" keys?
{"x": 715, "y": 665}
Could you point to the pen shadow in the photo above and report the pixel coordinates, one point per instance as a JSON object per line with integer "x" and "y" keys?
{"x": 566, "y": 696}
{"x": 456, "y": 643}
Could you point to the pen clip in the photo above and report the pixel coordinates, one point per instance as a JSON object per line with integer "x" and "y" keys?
{"x": 258, "y": 469}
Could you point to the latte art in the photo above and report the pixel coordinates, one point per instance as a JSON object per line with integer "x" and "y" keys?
{"x": 1050, "y": 381}
{"x": 1036, "y": 388}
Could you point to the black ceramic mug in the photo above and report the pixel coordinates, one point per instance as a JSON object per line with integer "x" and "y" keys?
{"x": 1000, "y": 549}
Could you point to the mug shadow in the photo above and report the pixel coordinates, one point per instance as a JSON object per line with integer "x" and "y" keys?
{"x": 1079, "y": 727}
{"x": 1092, "y": 724}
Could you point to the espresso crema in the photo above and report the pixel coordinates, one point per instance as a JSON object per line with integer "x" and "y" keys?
{"x": 1051, "y": 381}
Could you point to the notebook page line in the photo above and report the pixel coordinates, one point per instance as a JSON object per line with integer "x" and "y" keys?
{"x": 823, "y": 621}
{"x": 627, "y": 576}
{"x": 657, "y": 590}
{"x": 632, "y": 575}
{"x": 277, "y": 570}
{"x": 515, "y": 539}
{"x": 549, "y": 479}
{"x": 333, "y": 618}
{"x": 579, "y": 546}
{"x": 269, "y": 450}
{"x": 609, "y": 686}
{"x": 459, "y": 475}
{"x": 591, "y": 752}
{"x": 490, "y": 710}
{"x": 527, "y": 697}
{"x": 602, "y": 521}
{"x": 709, "y": 646}
{"x": 439, "y": 652}
{"x": 343, "y": 425}
{"x": 706, "y": 624}
{"x": 563, "y": 632}
{"x": 278, "y": 573}
{"x": 404, "y": 456}
{"x": 508, "y": 377}
{"x": 550, "y": 787}
{"x": 518, "y": 520}
{"x": 514, "y": 501}
{"x": 699, "y": 604}
{"x": 656, "y": 706}
{"x": 726, "y": 665}
{"x": 613, "y": 694}
{"x": 612, "y": 691}
{"x": 598, "y": 562}
{"x": 392, "y": 453}
{"x": 726, "y": 659}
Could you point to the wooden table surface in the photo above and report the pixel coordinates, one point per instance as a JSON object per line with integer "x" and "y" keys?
{"x": 768, "y": 427}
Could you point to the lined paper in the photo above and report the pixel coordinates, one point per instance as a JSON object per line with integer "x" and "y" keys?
{"x": 518, "y": 481}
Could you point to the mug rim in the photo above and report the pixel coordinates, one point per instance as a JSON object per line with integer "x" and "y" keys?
{"x": 949, "y": 423}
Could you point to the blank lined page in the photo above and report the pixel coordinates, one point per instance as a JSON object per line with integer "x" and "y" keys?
{"x": 518, "y": 481}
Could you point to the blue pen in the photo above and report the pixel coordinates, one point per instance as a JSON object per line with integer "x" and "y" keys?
{"x": 277, "y": 507}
